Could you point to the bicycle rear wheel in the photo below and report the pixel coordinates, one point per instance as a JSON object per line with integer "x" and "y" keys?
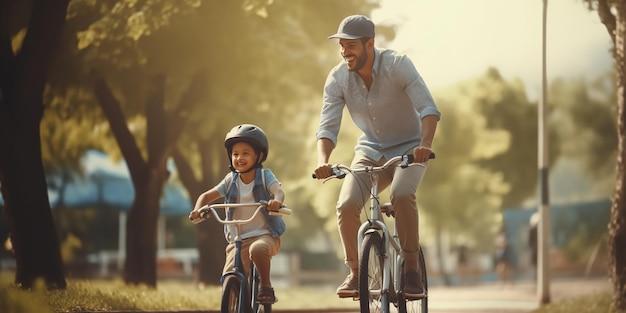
{"x": 415, "y": 305}
{"x": 231, "y": 296}
{"x": 372, "y": 298}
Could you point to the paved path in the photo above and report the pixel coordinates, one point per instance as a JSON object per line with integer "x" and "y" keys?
{"x": 489, "y": 298}
{"x": 519, "y": 298}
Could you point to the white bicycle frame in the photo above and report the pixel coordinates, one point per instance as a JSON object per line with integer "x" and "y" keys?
{"x": 376, "y": 221}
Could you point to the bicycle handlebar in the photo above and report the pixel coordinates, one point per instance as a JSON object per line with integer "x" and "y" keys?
{"x": 339, "y": 170}
{"x": 206, "y": 210}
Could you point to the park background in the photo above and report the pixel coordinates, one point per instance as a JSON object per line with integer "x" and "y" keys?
{"x": 482, "y": 62}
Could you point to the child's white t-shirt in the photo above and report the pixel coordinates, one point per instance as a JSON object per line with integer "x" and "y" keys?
{"x": 259, "y": 225}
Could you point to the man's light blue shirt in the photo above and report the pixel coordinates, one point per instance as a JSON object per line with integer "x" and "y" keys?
{"x": 389, "y": 113}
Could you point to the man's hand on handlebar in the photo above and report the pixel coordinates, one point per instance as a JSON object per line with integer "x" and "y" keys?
{"x": 422, "y": 154}
{"x": 323, "y": 171}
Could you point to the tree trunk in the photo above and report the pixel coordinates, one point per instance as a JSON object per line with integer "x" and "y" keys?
{"x": 149, "y": 176}
{"x": 141, "y": 230}
{"x": 148, "y": 180}
{"x": 617, "y": 223}
{"x": 23, "y": 75}
{"x": 210, "y": 236}
{"x": 211, "y": 246}
{"x": 33, "y": 234}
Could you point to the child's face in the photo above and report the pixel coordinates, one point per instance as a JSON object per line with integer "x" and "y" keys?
{"x": 244, "y": 156}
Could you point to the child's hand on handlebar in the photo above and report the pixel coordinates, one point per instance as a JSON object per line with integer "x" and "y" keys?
{"x": 274, "y": 205}
{"x": 194, "y": 215}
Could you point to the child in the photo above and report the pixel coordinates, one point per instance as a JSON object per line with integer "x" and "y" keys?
{"x": 247, "y": 148}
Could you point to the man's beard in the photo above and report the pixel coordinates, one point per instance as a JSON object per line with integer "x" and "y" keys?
{"x": 360, "y": 61}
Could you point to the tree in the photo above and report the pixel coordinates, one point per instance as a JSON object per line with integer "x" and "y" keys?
{"x": 128, "y": 42}
{"x": 612, "y": 14}
{"x": 481, "y": 150}
{"x": 29, "y": 31}
{"x": 210, "y": 251}
{"x": 508, "y": 109}
{"x": 148, "y": 174}
{"x": 588, "y": 123}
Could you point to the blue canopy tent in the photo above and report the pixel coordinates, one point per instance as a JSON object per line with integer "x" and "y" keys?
{"x": 106, "y": 183}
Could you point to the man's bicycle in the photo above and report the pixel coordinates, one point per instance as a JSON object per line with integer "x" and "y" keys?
{"x": 381, "y": 263}
{"x": 239, "y": 291}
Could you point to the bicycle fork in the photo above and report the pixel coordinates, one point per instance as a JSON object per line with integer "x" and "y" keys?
{"x": 238, "y": 271}
{"x": 379, "y": 226}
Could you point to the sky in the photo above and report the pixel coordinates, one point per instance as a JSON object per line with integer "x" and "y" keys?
{"x": 454, "y": 40}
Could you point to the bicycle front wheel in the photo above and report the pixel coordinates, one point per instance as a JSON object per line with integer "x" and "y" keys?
{"x": 415, "y": 305}
{"x": 372, "y": 296}
{"x": 264, "y": 308}
{"x": 231, "y": 295}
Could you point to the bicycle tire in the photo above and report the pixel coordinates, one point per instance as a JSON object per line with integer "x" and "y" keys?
{"x": 372, "y": 299}
{"x": 420, "y": 305}
{"x": 264, "y": 308}
{"x": 254, "y": 282}
{"x": 231, "y": 296}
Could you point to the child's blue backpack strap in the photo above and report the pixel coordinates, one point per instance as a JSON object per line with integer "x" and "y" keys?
{"x": 276, "y": 223}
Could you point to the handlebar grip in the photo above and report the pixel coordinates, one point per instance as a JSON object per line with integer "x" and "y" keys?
{"x": 197, "y": 221}
{"x": 410, "y": 158}
{"x": 281, "y": 211}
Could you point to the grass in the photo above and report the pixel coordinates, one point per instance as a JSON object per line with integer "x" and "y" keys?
{"x": 596, "y": 303}
{"x": 101, "y": 295}
{"x": 114, "y": 295}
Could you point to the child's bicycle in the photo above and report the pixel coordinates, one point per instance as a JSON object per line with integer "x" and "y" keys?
{"x": 239, "y": 292}
{"x": 381, "y": 263}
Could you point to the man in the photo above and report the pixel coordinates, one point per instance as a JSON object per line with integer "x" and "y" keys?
{"x": 388, "y": 100}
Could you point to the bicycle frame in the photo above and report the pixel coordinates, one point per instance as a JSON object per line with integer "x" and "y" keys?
{"x": 248, "y": 285}
{"x": 392, "y": 266}
{"x": 377, "y": 223}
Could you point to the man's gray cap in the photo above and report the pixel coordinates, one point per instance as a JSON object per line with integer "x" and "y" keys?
{"x": 355, "y": 27}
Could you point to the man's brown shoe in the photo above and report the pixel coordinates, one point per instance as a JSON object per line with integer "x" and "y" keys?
{"x": 413, "y": 287}
{"x": 349, "y": 287}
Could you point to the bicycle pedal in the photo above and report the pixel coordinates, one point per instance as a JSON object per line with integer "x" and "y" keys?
{"x": 415, "y": 298}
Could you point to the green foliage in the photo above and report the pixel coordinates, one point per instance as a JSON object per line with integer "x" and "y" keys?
{"x": 587, "y": 123}
{"x": 482, "y": 147}
{"x": 69, "y": 128}
{"x": 505, "y": 107}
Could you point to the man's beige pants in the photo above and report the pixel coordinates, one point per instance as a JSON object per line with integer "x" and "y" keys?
{"x": 355, "y": 192}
